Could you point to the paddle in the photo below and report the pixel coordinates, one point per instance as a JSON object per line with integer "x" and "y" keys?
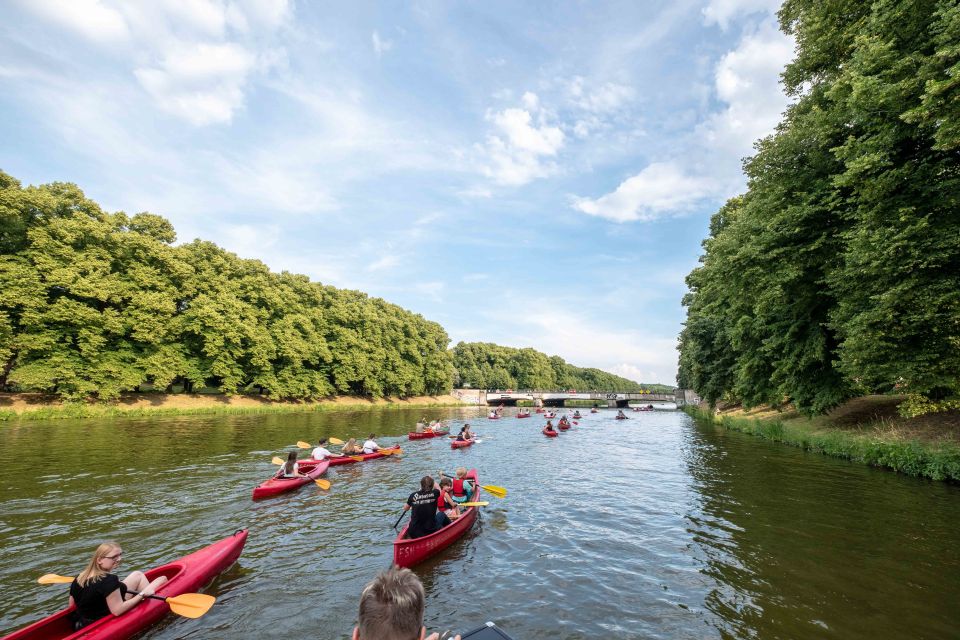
{"x": 307, "y": 445}
{"x": 188, "y": 605}
{"x": 320, "y": 482}
{"x": 492, "y": 489}
{"x": 399, "y": 519}
{"x": 473, "y": 504}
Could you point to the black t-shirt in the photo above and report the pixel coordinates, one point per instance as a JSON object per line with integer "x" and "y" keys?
{"x": 423, "y": 512}
{"x": 91, "y": 600}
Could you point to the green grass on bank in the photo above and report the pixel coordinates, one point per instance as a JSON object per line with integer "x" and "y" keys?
{"x": 77, "y": 411}
{"x": 937, "y": 460}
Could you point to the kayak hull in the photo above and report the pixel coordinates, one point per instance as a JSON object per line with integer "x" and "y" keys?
{"x": 550, "y": 434}
{"x": 186, "y": 575}
{"x": 336, "y": 461}
{"x": 460, "y": 444}
{"x": 522, "y": 415}
{"x": 275, "y": 486}
{"x": 407, "y": 553}
{"x": 413, "y": 435}
{"x": 563, "y": 427}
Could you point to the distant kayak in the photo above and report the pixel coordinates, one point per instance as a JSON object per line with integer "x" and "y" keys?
{"x": 550, "y": 434}
{"x": 413, "y": 435}
{"x": 276, "y": 485}
{"x": 459, "y": 444}
{"x": 336, "y": 461}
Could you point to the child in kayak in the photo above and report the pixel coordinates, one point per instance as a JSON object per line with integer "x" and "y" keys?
{"x": 391, "y": 606}
{"x": 371, "y": 446}
{"x": 461, "y": 489}
{"x": 98, "y": 593}
{"x": 351, "y": 448}
{"x": 290, "y": 468}
{"x": 320, "y": 452}
{"x": 446, "y": 502}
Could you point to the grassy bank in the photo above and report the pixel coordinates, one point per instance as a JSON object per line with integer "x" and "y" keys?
{"x": 39, "y": 407}
{"x": 865, "y": 430}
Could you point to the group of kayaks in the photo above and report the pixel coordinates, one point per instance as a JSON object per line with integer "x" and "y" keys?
{"x": 313, "y": 469}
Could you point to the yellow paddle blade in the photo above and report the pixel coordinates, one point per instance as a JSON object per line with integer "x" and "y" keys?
{"x": 304, "y": 445}
{"x": 277, "y": 460}
{"x": 190, "y": 605}
{"x": 52, "y": 578}
{"x": 356, "y": 458}
{"x": 474, "y": 504}
{"x": 395, "y": 451}
{"x": 336, "y": 441}
{"x": 323, "y": 484}
{"x": 494, "y": 490}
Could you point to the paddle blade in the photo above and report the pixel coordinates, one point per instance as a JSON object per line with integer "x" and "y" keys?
{"x": 52, "y": 578}
{"x": 391, "y": 452}
{"x": 191, "y": 605}
{"x": 474, "y": 504}
{"x": 277, "y": 460}
{"x": 304, "y": 445}
{"x": 336, "y": 441}
{"x": 494, "y": 490}
{"x": 356, "y": 458}
{"x": 323, "y": 484}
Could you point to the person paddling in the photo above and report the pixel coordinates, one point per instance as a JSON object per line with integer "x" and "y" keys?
{"x": 424, "y": 518}
{"x": 97, "y": 592}
{"x": 371, "y": 446}
{"x": 391, "y": 608}
{"x": 351, "y": 448}
{"x": 576, "y": 415}
{"x": 290, "y": 468}
{"x": 320, "y": 452}
{"x": 549, "y": 428}
{"x": 464, "y": 434}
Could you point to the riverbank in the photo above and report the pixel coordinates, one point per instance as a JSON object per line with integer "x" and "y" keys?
{"x": 867, "y": 430}
{"x": 34, "y": 406}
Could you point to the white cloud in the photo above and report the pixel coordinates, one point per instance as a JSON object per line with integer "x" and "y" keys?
{"x": 91, "y": 19}
{"x": 524, "y": 142}
{"x": 721, "y": 12}
{"x": 606, "y": 98}
{"x": 380, "y": 45}
{"x": 661, "y": 188}
{"x": 388, "y": 261}
{"x": 201, "y": 83}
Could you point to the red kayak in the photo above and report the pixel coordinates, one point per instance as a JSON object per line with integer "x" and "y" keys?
{"x": 336, "y": 461}
{"x": 540, "y": 410}
{"x": 407, "y": 553}
{"x": 186, "y": 575}
{"x": 563, "y": 427}
{"x": 550, "y": 434}
{"x": 276, "y": 485}
{"x": 594, "y": 411}
{"x": 550, "y": 416}
{"x": 459, "y": 444}
{"x": 413, "y": 435}
{"x": 523, "y": 415}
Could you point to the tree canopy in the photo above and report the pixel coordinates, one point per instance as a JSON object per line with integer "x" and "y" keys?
{"x": 838, "y": 272}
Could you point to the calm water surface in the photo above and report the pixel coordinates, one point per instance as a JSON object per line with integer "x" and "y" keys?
{"x": 653, "y": 527}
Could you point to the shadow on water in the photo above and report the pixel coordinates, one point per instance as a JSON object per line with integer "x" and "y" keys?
{"x": 677, "y": 530}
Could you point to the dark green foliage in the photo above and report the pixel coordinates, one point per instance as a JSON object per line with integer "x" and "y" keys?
{"x": 483, "y": 365}
{"x": 838, "y": 272}
{"x": 95, "y": 304}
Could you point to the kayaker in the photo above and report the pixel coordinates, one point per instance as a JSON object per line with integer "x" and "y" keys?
{"x": 461, "y": 488}
{"x": 564, "y": 421}
{"x": 421, "y": 427}
{"x": 621, "y": 414}
{"x": 492, "y": 414}
{"x": 576, "y": 415}
{"x": 425, "y": 519}
{"x": 290, "y": 468}
{"x": 391, "y": 608}
{"x": 464, "y": 434}
{"x": 351, "y": 448}
{"x": 371, "y": 446}
{"x": 549, "y": 427}
{"x": 446, "y": 503}
{"x": 321, "y": 452}
{"x": 97, "y": 592}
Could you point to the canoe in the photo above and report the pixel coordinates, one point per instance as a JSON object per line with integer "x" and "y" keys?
{"x": 563, "y": 427}
{"x": 407, "y": 553}
{"x": 336, "y": 461}
{"x": 459, "y": 444}
{"x": 493, "y": 417}
{"x": 523, "y": 415}
{"x": 550, "y": 434}
{"x": 413, "y": 435}
{"x": 489, "y": 631}
{"x": 276, "y": 485}
{"x": 186, "y": 575}
{"x": 550, "y": 416}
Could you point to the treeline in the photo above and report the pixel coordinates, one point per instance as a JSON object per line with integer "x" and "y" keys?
{"x": 94, "y": 304}
{"x": 838, "y": 272}
{"x": 482, "y": 365}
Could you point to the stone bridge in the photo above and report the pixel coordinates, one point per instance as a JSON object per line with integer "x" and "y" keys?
{"x": 510, "y": 397}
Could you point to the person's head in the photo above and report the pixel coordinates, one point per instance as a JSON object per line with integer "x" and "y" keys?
{"x": 461, "y": 472}
{"x": 105, "y": 559}
{"x": 464, "y": 428}
{"x": 446, "y": 483}
{"x": 322, "y": 442}
{"x": 372, "y": 436}
{"x": 391, "y": 607}
{"x": 426, "y": 483}
{"x": 352, "y": 442}
{"x": 291, "y": 460}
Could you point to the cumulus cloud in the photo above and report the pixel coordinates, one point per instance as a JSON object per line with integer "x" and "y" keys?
{"x": 606, "y": 98}
{"x": 661, "y": 188}
{"x": 722, "y": 12}
{"x": 524, "y": 143}
{"x": 91, "y": 19}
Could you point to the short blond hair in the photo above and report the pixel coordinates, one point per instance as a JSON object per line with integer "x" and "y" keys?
{"x": 391, "y": 606}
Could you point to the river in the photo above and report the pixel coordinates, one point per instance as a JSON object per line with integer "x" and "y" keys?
{"x": 653, "y": 527}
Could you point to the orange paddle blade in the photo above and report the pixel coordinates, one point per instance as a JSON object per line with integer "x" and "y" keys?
{"x": 52, "y": 578}
{"x": 277, "y": 460}
{"x": 190, "y": 605}
{"x": 336, "y": 441}
{"x": 474, "y": 504}
{"x": 323, "y": 484}
{"x": 304, "y": 445}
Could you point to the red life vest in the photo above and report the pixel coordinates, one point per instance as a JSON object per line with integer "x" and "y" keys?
{"x": 442, "y": 500}
{"x": 458, "y": 489}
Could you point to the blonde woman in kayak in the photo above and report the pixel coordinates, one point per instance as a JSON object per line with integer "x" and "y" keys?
{"x": 351, "y": 448}
{"x": 97, "y": 592}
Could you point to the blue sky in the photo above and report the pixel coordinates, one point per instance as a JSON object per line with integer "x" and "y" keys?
{"x": 526, "y": 173}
